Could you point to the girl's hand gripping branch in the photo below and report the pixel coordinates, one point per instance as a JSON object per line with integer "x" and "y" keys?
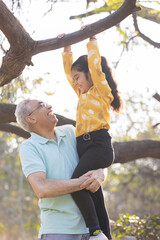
{"x": 93, "y": 38}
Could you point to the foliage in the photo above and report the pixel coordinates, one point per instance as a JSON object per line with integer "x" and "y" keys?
{"x": 142, "y": 228}
{"x": 140, "y": 114}
{"x": 133, "y": 187}
{"x": 2, "y": 228}
{"x": 9, "y": 92}
{"x": 19, "y": 206}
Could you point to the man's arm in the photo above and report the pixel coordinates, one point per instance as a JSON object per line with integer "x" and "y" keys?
{"x": 98, "y": 177}
{"x": 45, "y": 188}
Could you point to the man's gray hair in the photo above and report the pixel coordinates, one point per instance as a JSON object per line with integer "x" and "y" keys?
{"x": 21, "y": 112}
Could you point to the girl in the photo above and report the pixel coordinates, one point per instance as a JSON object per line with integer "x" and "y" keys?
{"x": 92, "y": 80}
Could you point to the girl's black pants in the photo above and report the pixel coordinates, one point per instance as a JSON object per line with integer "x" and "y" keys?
{"x": 95, "y": 151}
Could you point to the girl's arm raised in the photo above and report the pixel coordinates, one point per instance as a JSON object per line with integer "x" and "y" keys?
{"x": 67, "y": 63}
{"x": 94, "y": 63}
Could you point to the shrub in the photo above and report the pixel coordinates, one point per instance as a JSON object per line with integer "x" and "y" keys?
{"x": 147, "y": 228}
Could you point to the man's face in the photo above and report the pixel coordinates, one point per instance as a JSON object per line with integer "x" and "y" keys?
{"x": 42, "y": 113}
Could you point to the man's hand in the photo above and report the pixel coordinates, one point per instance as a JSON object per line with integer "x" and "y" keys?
{"x": 44, "y": 187}
{"x": 96, "y": 178}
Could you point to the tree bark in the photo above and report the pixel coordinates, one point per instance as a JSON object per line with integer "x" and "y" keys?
{"x": 129, "y": 151}
{"x": 7, "y": 113}
{"x": 149, "y": 14}
{"x": 23, "y": 47}
{"x": 157, "y": 97}
{"x": 6, "y": 127}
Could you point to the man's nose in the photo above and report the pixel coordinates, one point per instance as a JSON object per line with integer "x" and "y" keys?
{"x": 48, "y": 106}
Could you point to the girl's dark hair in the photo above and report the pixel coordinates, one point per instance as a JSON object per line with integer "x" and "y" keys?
{"x": 117, "y": 103}
{"x": 81, "y": 65}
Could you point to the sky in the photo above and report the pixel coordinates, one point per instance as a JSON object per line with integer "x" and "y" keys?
{"x": 137, "y": 71}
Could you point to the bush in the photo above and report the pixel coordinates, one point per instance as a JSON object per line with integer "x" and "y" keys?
{"x": 147, "y": 228}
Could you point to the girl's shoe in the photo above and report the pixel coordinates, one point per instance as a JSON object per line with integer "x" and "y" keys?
{"x": 100, "y": 236}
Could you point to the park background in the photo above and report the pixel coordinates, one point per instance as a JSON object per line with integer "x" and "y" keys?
{"x": 131, "y": 188}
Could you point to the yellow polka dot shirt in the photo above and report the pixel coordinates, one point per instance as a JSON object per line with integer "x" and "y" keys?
{"x": 93, "y": 107}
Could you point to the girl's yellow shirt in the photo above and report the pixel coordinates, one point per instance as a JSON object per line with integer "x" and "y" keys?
{"x": 94, "y": 106}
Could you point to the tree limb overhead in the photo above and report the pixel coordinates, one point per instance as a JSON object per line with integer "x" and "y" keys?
{"x": 145, "y": 13}
{"x": 23, "y": 47}
{"x": 143, "y": 36}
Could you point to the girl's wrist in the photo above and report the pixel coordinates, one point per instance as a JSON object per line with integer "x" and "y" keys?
{"x": 93, "y": 38}
{"x": 67, "y": 48}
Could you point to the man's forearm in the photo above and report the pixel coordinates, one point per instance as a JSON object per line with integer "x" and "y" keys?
{"x": 54, "y": 187}
{"x": 44, "y": 187}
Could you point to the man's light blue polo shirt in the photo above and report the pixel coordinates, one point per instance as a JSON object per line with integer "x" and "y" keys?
{"x": 58, "y": 160}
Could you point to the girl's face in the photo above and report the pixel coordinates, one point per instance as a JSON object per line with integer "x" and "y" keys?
{"x": 80, "y": 80}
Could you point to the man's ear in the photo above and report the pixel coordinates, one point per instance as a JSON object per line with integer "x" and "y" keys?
{"x": 31, "y": 120}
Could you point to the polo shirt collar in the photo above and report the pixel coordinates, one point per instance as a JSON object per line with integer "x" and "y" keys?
{"x": 59, "y": 134}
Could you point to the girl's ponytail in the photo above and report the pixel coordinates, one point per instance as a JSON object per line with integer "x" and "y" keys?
{"x": 117, "y": 103}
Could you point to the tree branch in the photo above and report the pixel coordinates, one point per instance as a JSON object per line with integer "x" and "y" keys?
{"x": 124, "y": 151}
{"x": 144, "y": 37}
{"x": 129, "y": 151}
{"x": 155, "y": 125}
{"x": 23, "y": 47}
{"x": 149, "y": 14}
{"x": 6, "y": 127}
{"x": 157, "y": 97}
{"x": 125, "y": 10}
{"x": 145, "y": 13}
{"x": 11, "y": 27}
{"x": 7, "y": 115}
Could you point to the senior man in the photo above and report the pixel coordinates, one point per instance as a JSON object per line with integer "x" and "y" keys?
{"x": 48, "y": 160}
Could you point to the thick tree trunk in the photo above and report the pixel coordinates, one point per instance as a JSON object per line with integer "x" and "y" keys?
{"x": 21, "y": 45}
